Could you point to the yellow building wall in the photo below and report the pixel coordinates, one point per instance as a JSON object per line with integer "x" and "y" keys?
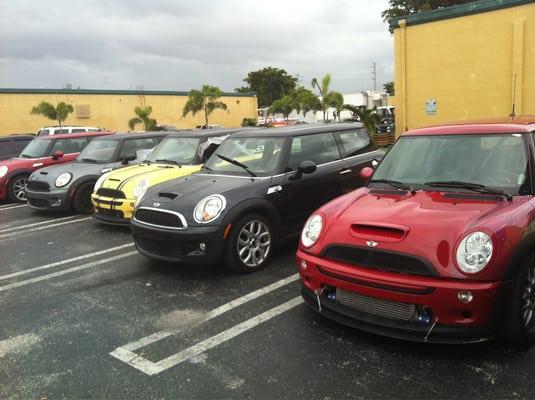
{"x": 113, "y": 111}
{"x": 467, "y": 64}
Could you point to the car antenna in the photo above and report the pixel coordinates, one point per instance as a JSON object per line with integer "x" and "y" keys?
{"x": 512, "y": 115}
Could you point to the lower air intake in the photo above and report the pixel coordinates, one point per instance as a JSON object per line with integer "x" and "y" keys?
{"x": 370, "y": 305}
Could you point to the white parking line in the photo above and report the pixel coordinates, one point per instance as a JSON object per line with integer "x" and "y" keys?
{"x": 66, "y": 271}
{"x": 17, "y": 228}
{"x": 153, "y": 368}
{"x": 8, "y": 235}
{"x": 213, "y": 313}
{"x": 67, "y": 261}
{"x": 12, "y": 206}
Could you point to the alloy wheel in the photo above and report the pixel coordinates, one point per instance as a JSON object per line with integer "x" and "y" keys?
{"x": 19, "y": 188}
{"x": 254, "y": 243}
{"x": 528, "y": 299}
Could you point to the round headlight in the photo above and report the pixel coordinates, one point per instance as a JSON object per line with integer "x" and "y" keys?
{"x": 3, "y": 171}
{"x": 63, "y": 179}
{"x": 209, "y": 208}
{"x": 474, "y": 252}
{"x": 141, "y": 188}
{"x": 312, "y": 230}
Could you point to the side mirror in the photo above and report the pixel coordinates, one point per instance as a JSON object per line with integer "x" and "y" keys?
{"x": 366, "y": 172}
{"x": 57, "y": 155}
{"x": 304, "y": 167}
{"x": 127, "y": 159}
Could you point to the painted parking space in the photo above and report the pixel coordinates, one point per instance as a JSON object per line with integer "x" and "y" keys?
{"x": 89, "y": 317}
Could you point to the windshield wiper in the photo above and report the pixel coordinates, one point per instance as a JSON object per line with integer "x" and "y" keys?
{"x": 237, "y": 163}
{"x": 166, "y": 161}
{"x": 26, "y": 156}
{"x": 476, "y": 187}
{"x": 90, "y": 160}
{"x": 396, "y": 184}
{"x": 208, "y": 168}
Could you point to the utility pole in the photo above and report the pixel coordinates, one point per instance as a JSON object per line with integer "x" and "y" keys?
{"x": 374, "y": 76}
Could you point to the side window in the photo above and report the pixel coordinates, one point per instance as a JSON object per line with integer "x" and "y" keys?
{"x": 131, "y": 146}
{"x": 320, "y": 148}
{"x": 19, "y": 144}
{"x": 355, "y": 142}
{"x": 6, "y": 148}
{"x": 60, "y": 131}
{"x": 78, "y": 130}
{"x": 68, "y": 146}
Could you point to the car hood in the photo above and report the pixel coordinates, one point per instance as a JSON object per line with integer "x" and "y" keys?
{"x": 426, "y": 224}
{"x": 182, "y": 195}
{"x": 17, "y": 162}
{"x": 126, "y": 179}
{"x": 77, "y": 169}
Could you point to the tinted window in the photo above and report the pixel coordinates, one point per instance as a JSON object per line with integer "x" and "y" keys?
{"x": 19, "y": 144}
{"x": 6, "y": 148}
{"x": 354, "y": 142}
{"x": 78, "y": 130}
{"x": 131, "y": 146}
{"x": 320, "y": 148}
{"x": 60, "y": 131}
{"x": 68, "y": 146}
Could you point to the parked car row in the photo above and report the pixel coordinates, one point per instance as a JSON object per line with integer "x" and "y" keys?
{"x": 434, "y": 242}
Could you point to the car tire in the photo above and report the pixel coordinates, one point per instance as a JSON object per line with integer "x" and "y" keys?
{"x": 250, "y": 244}
{"x": 518, "y": 324}
{"x": 16, "y": 188}
{"x": 82, "y": 198}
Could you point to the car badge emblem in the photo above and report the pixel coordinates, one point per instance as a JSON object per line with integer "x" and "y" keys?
{"x": 156, "y": 204}
{"x": 371, "y": 243}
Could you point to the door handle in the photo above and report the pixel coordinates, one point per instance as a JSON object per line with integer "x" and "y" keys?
{"x": 345, "y": 171}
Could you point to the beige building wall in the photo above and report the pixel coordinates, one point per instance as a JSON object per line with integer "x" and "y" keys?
{"x": 113, "y": 109}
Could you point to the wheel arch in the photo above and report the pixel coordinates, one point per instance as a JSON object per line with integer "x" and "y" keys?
{"x": 259, "y": 206}
{"x": 517, "y": 259}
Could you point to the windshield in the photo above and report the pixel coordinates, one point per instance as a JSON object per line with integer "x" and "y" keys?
{"x": 495, "y": 161}
{"x": 175, "y": 149}
{"x": 261, "y": 155}
{"x": 36, "y": 149}
{"x": 98, "y": 151}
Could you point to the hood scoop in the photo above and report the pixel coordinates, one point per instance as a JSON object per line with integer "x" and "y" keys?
{"x": 382, "y": 232}
{"x": 164, "y": 196}
{"x": 43, "y": 173}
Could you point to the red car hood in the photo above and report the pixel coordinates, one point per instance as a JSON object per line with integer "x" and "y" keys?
{"x": 426, "y": 224}
{"x": 17, "y": 163}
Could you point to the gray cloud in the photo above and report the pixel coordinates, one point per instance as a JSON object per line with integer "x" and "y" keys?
{"x": 178, "y": 44}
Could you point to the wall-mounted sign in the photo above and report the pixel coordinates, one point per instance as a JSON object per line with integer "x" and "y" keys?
{"x": 431, "y": 107}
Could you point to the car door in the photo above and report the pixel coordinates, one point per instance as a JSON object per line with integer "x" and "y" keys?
{"x": 358, "y": 151}
{"x": 303, "y": 195}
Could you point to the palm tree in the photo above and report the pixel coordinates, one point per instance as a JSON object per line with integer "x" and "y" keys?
{"x": 306, "y": 101}
{"x": 58, "y": 113}
{"x": 143, "y": 117}
{"x": 368, "y": 117}
{"x": 203, "y": 100}
{"x": 329, "y": 98}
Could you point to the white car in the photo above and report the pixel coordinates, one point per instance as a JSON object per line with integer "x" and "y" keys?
{"x": 56, "y": 130}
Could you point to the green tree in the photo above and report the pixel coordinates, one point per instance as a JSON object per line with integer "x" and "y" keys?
{"x": 58, "y": 113}
{"x": 368, "y": 117}
{"x": 204, "y": 100}
{"x": 329, "y": 98}
{"x": 401, "y": 8}
{"x": 389, "y": 88}
{"x": 284, "y": 105}
{"x": 269, "y": 83}
{"x": 305, "y": 101}
{"x": 143, "y": 117}
{"x": 337, "y": 101}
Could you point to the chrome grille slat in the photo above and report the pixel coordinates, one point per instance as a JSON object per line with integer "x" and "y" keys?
{"x": 371, "y": 305}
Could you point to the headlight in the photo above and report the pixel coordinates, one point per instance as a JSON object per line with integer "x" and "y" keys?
{"x": 474, "y": 252}
{"x": 63, "y": 179}
{"x": 3, "y": 171}
{"x": 209, "y": 208}
{"x": 99, "y": 183}
{"x": 141, "y": 188}
{"x": 312, "y": 230}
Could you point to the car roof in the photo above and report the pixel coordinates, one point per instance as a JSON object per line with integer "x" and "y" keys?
{"x": 137, "y": 135}
{"x": 515, "y": 124}
{"x": 300, "y": 130}
{"x": 204, "y": 133}
{"x": 74, "y": 135}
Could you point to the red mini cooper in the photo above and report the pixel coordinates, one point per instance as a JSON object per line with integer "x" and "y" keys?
{"x": 439, "y": 245}
{"x": 43, "y": 151}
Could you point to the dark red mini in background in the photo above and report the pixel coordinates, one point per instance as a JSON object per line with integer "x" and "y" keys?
{"x": 439, "y": 245}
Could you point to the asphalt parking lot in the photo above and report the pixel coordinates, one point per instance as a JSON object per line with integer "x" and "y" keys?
{"x": 84, "y": 316}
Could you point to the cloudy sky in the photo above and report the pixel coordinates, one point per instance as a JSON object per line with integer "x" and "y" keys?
{"x": 182, "y": 44}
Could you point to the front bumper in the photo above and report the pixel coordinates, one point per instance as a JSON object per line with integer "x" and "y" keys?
{"x": 452, "y": 321}
{"x": 112, "y": 211}
{"x": 59, "y": 200}
{"x": 179, "y": 246}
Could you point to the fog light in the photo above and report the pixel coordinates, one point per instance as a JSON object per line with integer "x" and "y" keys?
{"x": 202, "y": 246}
{"x": 465, "y": 296}
{"x": 303, "y": 265}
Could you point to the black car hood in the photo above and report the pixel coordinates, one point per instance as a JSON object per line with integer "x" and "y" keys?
{"x": 77, "y": 169}
{"x": 182, "y": 194}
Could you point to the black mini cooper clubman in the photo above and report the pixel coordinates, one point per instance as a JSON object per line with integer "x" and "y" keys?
{"x": 254, "y": 192}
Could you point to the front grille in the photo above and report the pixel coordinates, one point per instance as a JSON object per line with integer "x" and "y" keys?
{"x": 165, "y": 249}
{"x": 379, "y": 259}
{"x": 114, "y": 193}
{"x": 38, "y": 185}
{"x": 38, "y": 202}
{"x": 159, "y": 218}
{"x": 371, "y": 305}
{"x": 110, "y": 213}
